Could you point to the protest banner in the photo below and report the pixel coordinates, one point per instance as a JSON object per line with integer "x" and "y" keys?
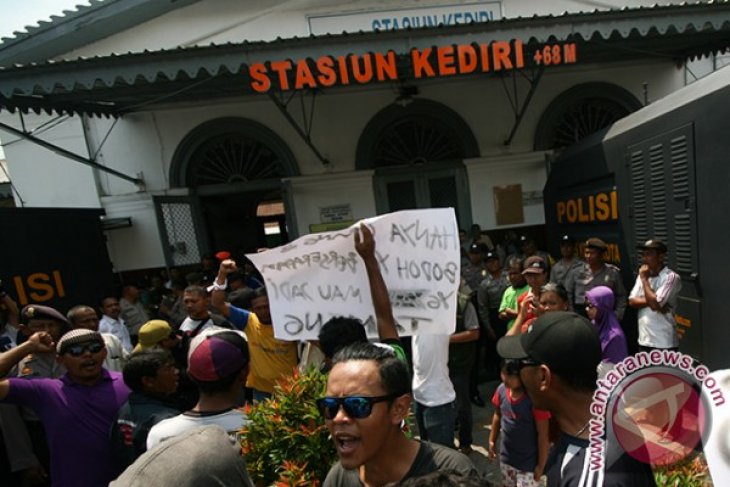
{"x": 319, "y": 276}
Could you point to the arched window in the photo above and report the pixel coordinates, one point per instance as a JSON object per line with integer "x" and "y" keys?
{"x": 581, "y": 111}
{"x": 421, "y": 132}
{"x": 230, "y": 150}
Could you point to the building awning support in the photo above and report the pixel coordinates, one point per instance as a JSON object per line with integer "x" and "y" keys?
{"x": 534, "y": 81}
{"x": 305, "y": 129}
{"x": 66, "y": 153}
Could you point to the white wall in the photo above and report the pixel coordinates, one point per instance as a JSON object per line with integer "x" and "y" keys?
{"x": 311, "y": 193}
{"x": 485, "y": 173}
{"x": 42, "y": 177}
{"x": 138, "y": 246}
{"x": 221, "y": 21}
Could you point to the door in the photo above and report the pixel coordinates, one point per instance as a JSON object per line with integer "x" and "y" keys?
{"x": 431, "y": 185}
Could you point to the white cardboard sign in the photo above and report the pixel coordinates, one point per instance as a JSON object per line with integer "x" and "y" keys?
{"x": 321, "y": 276}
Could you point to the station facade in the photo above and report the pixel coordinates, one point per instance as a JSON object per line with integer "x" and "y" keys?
{"x": 209, "y": 125}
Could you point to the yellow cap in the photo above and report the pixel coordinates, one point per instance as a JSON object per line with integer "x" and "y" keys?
{"x": 152, "y": 333}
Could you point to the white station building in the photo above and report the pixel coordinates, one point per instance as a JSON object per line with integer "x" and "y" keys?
{"x": 206, "y": 125}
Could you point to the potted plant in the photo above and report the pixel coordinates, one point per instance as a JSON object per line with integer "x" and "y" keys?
{"x": 286, "y": 442}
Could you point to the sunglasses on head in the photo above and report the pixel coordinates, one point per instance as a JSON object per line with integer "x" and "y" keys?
{"x": 79, "y": 349}
{"x": 356, "y": 407}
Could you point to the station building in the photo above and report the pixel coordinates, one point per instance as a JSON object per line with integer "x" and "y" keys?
{"x": 206, "y": 125}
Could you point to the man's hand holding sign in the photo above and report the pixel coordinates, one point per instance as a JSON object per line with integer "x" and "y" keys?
{"x": 320, "y": 276}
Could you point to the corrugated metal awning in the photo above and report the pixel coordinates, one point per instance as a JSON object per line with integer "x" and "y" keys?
{"x": 118, "y": 84}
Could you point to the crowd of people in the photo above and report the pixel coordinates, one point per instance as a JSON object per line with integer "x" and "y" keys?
{"x": 146, "y": 387}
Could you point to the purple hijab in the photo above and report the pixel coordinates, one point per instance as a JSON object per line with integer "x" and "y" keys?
{"x": 613, "y": 340}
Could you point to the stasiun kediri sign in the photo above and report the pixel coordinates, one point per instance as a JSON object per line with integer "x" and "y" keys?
{"x": 429, "y": 62}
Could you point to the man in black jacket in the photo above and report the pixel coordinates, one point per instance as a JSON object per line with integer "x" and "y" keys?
{"x": 153, "y": 378}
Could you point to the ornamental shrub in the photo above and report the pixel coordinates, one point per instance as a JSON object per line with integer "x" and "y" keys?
{"x": 286, "y": 442}
{"x": 690, "y": 472}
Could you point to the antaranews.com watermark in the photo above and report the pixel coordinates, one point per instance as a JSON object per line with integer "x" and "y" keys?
{"x": 653, "y": 405}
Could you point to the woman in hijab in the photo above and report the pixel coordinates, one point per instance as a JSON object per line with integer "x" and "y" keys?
{"x": 599, "y": 308}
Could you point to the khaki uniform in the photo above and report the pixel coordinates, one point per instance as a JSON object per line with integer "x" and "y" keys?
{"x": 582, "y": 279}
{"x": 561, "y": 269}
{"x": 40, "y": 365}
{"x": 474, "y": 275}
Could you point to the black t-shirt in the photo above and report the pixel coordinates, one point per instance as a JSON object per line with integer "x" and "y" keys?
{"x": 569, "y": 466}
{"x": 430, "y": 457}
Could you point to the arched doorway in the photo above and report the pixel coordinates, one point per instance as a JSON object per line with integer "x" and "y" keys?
{"x": 417, "y": 152}
{"x": 580, "y": 111}
{"x": 234, "y": 167}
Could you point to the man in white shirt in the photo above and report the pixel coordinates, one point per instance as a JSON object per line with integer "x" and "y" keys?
{"x": 114, "y": 324}
{"x": 218, "y": 365}
{"x": 655, "y": 296}
{"x": 433, "y": 391}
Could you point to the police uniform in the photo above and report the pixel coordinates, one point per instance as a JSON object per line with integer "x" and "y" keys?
{"x": 40, "y": 365}
{"x": 582, "y": 279}
{"x": 561, "y": 269}
{"x": 489, "y": 294}
{"x": 473, "y": 275}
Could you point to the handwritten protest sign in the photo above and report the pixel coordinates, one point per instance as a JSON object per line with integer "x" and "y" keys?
{"x": 320, "y": 276}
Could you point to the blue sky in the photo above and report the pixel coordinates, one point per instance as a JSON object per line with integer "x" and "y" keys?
{"x": 16, "y": 14}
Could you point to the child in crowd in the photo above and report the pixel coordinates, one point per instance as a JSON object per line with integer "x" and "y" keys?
{"x": 523, "y": 449}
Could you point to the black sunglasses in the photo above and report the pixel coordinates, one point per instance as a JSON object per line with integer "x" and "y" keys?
{"x": 528, "y": 362}
{"x": 79, "y": 349}
{"x": 356, "y": 407}
{"x": 589, "y": 305}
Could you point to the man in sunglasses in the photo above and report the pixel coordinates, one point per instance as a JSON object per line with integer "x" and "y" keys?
{"x": 82, "y": 316}
{"x": 77, "y": 410}
{"x": 368, "y": 395}
{"x": 559, "y": 355}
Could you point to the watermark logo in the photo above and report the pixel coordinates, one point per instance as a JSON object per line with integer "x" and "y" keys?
{"x": 659, "y": 418}
{"x": 655, "y": 406}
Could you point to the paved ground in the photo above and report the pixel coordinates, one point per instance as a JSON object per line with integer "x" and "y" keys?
{"x": 482, "y": 427}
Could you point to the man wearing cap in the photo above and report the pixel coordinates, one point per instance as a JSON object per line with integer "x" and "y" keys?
{"x": 218, "y": 364}
{"x": 156, "y": 334}
{"x": 535, "y": 272}
{"x": 559, "y": 355}
{"x": 655, "y": 296}
{"x": 528, "y": 248}
{"x": 489, "y": 297}
{"x": 475, "y": 270}
{"x": 35, "y": 318}
{"x": 77, "y": 410}
{"x": 473, "y": 273}
{"x": 595, "y": 272}
{"x": 567, "y": 262}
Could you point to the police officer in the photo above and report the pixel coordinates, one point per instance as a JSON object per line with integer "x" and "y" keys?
{"x": 595, "y": 272}
{"x": 35, "y": 318}
{"x": 475, "y": 270}
{"x": 568, "y": 261}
